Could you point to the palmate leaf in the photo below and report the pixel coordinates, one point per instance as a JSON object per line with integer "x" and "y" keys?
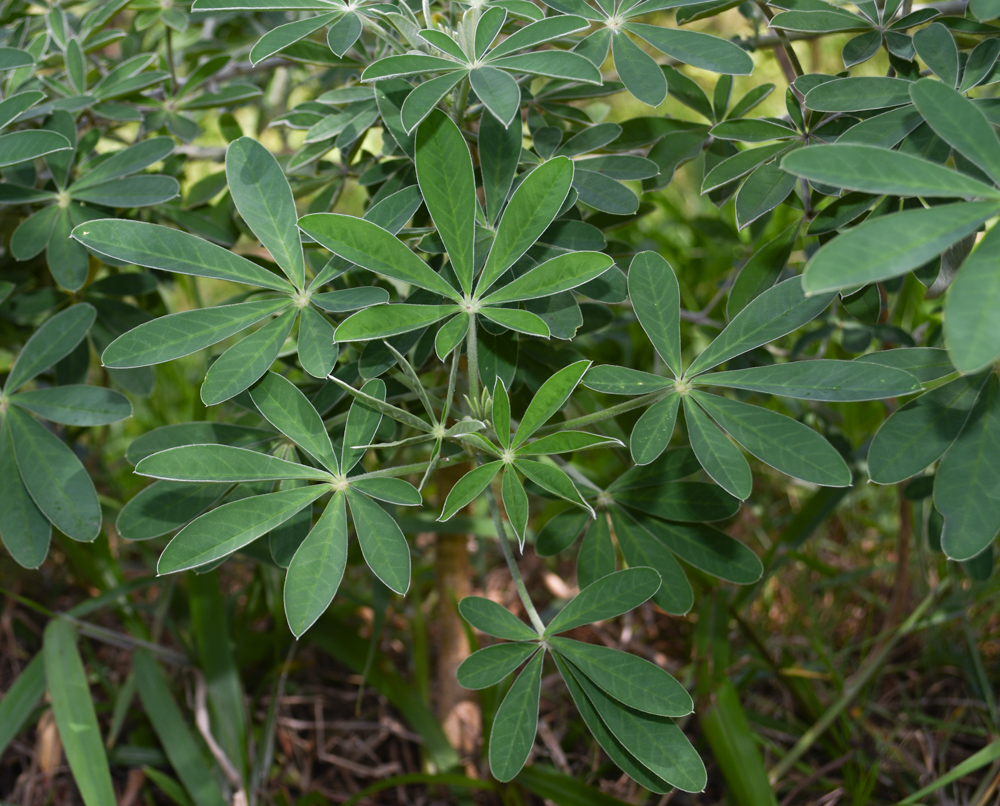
{"x": 515, "y": 504}
{"x": 317, "y": 568}
{"x": 516, "y": 722}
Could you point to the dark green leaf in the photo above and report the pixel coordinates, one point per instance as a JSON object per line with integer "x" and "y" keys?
{"x": 606, "y": 598}
{"x": 515, "y": 722}
{"x": 489, "y": 666}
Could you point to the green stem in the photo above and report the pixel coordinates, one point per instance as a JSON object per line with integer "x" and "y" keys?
{"x": 472, "y": 349}
{"x": 170, "y": 61}
{"x": 402, "y": 470}
{"x": 461, "y": 101}
{"x": 452, "y": 380}
{"x": 515, "y": 572}
{"x": 606, "y": 414}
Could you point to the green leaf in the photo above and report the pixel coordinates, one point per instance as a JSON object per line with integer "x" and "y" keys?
{"x": 498, "y": 91}
{"x": 605, "y": 599}
{"x": 317, "y": 350}
{"x": 264, "y": 200}
{"x": 444, "y": 171}
{"x": 165, "y": 506}
{"x": 819, "y": 21}
{"x": 284, "y": 406}
{"x": 877, "y": 170}
{"x": 775, "y": 313}
{"x": 73, "y": 708}
{"x": 350, "y": 299}
{"x": 517, "y": 320}
{"x": 766, "y": 188}
{"x": 245, "y": 363}
{"x": 762, "y": 270}
{"x": 373, "y": 248}
{"x": 937, "y": 49}
{"x": 390, "y": 490}
{"x": 179, "y": 334}
{"x": 228, "y": 528}
{"x": 487, "y": 667}
{"x": 317, "y": 568}
{"x": 565, "y": 442}
{"x": 451, "y": 334}
{"x": 23, "y": 528}
{"x": 597, "y": 556}
{"x": 20, "y": 700}
{"x": 959, "y": 122}
{"x": 493, "y": 619}
{"x": 501, "y": 413}
{"x": 968, "y": 478}
{"x": 656, "y": 299}
{"x": 223, "y": 463}
{"x": 926, "y": 364}
{"x": 382, "y": 542}
{"x": 921, "y": 431}
{"x": 556, "y": 481}
{"x": 52, "y": 342}
{"x": 630, "y": 680}
{"x": 652, "y": 431}
{"x": 561, "y": 273}
{"x": 383, "y": 321}
{"x": 407, "y": 65}
{"x": 696, "y": 49}
{"x": 638, "y": 71}
{"x": 28, "y": 145}
{"x": 614, "y": 380}
{"x": 972, "y": 308}
{"x": 132, "y": 191}
{"x": 740, "y": 164}
{"x": 55, "y": 478}
{"x": 821, "y": 379}
{"x": 655, "y": 741}
{"x": 158, "y": 247}
{"x": 75, "y": 404}
{"x": 515, "y": 504}
{"x": 421, "y": 102}
{"x": 196, "y": 433}
{"x": 531, "y": 209}
{"x": 362, "y": 423}
{"x": 686, "y": 501}
{"x": 515, "y": 722}
{"x": 640, "y": 548}
{"x": 499, "y": 153}
{"x": 176, "y": 738}
{"x": 277, "y": 39}
{"x": 468, "y": 488}
{"x": 721, "y": 459}
{"x": 344, "y": 33}
{"x": 549, "y": 399}
{"x": 858, "y": 93}
{"x": 779, "y": 441}
{"x": 707, "y": 549}
{"x": 887, "y": 246}
{"x": 615, "y": 750}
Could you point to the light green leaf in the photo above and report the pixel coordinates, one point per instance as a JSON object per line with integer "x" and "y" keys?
{"x": 515, "y": 722}
{"x": 779, "y": 441}
{"x": 383, "y": 321}
{"x": 373, "y": 248}
{"x": 922, "y": 430}
{"x": 501, "y": 413}
{"x": 775, "y": 313}
{"x": 468, "y": 488}
{"x": 421, "y": 102}
{"x": 287, "y": 409}
{"x": 73, "y": 708}
{"x": 531, "y": 209}
{"x": 565, "y": 442}
{"x": 243, "y": 364}
{"x": 821, "y": 379}
{"x": 696, "y": 48}
{"x": 556, "y": 481}
{"x": 968, "y": 478}
{"x": 638, "y": 71}
{"x": 656, "y": 299}
{"x": 75, "y": 404}
{"x": 390, "y": 490}
{"x": 179, "y": 334}
{"x": 972, "y": 308}
{"x": 362, "y": 422}
{"x": 50, "y": 343}
{"x": 196, "y": 433}
{"x": 55, "y": 478}
{"x": 350, "y": 299}
{"x": 23, "y": 528}
{"x": 444, "y": 171}
{"x": 317, "y": 350}
{"x": 959, "y": 122}
{"x": 630, "y": 680}
{"x": 550, "y": 398}
{"x": 614, "y": 380}
{"x": 652, "y": 431}
{"x": 493, "y": 619}
{"x": 517, "y": 320}
{"x": 228, "y": 528}
{"x": 721, "y": 459}
{"x": 277, "y": 39}
{"x": 159, "y": 247}
{"x": 888, "y": 246}
{"x": 382, "y": 542}
{"x": 28, "y": 145}
{"x": 264, "y": 200}
{"x": 489, "y": 666}
{"x": 858, "y": 93}
{"x": 317, "y": 568}
{"x": 878, "y": 170}
{"x": 407, "y": 65}
{"x": 561, "y": 273}
{"x": 223, "y": 463}
{"x": 498, "y": 91}
{"x": 515, "y": 504}
{"x": 605, "y": 599}
{"x": 926, "y": 364}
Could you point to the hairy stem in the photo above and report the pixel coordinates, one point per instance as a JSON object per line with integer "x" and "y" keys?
{"x": 606, "y": 414}
{"x": 472, "y": 349}
{"x": 515, "y": 572}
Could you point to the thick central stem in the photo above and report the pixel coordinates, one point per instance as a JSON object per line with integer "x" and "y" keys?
{"x": 472, "y": 350}
{"x": 515, "y": 572}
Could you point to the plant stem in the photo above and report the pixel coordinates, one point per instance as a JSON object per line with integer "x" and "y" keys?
{"x": 170, "y": 61}
{"x": 515, "y": 572}
{"x": 472, "y": 349}
{"x": 452, "y": 379}
{"x": 786, "y": 45}
{"x": 461, "y": 101}
{"x": 606, "y": 414}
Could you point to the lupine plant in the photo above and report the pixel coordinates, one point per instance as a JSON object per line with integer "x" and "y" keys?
{"x": 424, "y": 278}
